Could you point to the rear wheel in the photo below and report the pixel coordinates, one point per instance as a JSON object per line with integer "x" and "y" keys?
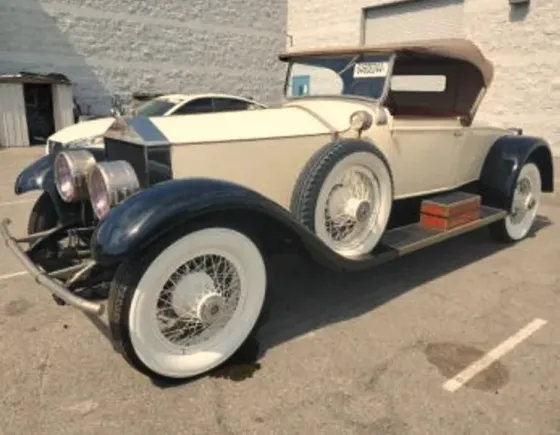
{"x": 526, "y": 198}
{"x": 190, "y": 304}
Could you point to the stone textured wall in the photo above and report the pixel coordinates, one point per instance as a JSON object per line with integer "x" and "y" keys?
{"x": 122, "y": 46}
{"x": 524, "y": 45}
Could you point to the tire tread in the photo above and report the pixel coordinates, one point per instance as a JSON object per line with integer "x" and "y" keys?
{"x": 310, "y": 179}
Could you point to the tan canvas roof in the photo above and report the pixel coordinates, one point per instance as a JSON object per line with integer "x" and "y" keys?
{"x": 456, "y": 48}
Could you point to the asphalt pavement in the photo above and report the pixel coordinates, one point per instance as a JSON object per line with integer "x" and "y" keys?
{"x": 460, "y": 338}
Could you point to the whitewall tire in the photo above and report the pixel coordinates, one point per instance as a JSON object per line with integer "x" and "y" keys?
{"x": 526, "y": 200}
{"x": 191, "y": 306}
{"x": 344, "y": 195}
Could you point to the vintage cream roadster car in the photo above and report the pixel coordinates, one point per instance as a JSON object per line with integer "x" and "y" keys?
{"x": 174, "y": 220}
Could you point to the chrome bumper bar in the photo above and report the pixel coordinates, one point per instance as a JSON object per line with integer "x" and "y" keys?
{"x": 41, "y": 277}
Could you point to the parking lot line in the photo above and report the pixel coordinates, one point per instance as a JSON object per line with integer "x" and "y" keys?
{"x": 21, "y": 201}
{"x": 12, "y": 275}
{"x": 499, "y": 351}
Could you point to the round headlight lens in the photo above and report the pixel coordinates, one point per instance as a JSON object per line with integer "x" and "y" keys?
{"x": 110, "y": 183}
{"x": 360, "y": 120}
{"x": 70, "y": 173}
{"x": 99, "y": 194}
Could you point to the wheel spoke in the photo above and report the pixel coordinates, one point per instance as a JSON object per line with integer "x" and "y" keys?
{"x": 194, "y": 294}
{"x": 341, "y": 220}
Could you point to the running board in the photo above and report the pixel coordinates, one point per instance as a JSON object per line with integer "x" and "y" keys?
{"x": 410, "y": 238}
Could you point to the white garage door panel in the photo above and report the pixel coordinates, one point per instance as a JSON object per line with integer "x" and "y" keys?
{"x": 420, "y": 19}
{"x": 13, "y": 122}
{"x": 63, "y": 106}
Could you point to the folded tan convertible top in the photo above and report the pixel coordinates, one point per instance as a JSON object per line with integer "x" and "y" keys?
{"x": 456, "y": 48}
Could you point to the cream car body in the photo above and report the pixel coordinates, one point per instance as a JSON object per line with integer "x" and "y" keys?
{"x": 173, "y": 221}
{"x": 280, "y": 140}
{"x": 90, "y": 133}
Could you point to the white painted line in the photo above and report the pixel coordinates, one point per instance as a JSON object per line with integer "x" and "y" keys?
{"x": 21, "y": 201}
{"x": 495, "y": 354}
{"x": 12, "y": 275}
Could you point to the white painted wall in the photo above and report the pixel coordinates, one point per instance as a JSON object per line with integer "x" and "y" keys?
{"x": 524, "y": 48}
{"x": 121, "y": 46}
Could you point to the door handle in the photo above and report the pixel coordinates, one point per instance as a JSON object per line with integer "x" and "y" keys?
{"x": 458, "y": 133}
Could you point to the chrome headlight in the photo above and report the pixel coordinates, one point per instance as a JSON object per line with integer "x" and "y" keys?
{"x": 110, "y": 183}
{"x": 360, "y": 120}
{"x": 71, "y": 169}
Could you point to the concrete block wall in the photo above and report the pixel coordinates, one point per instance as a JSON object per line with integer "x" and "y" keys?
{"x": 523, "y": 43}
{"x": 121, "y": 46}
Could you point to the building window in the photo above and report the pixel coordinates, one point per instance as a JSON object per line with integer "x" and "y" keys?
{"x": 300, "y": 86}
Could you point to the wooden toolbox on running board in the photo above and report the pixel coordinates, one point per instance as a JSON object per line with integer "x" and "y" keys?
{"x": 450, "y": 210}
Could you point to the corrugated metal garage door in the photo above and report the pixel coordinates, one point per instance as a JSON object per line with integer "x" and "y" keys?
{"x": 13, "y": 121}
{"x": 63, "y": 106}
{"x": 410, "y": 20}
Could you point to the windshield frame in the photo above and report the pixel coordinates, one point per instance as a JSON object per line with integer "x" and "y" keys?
{"x": 351, "y": 62}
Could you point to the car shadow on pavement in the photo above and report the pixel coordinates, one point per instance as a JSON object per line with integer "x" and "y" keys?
{"x": 309, "y": 297}
{"x": 303, "y": 296}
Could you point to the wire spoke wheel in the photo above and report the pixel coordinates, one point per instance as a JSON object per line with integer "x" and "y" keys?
{"x": 350, "y": 208}
{"x": 353, "y": 204}
{"x": 526, "y": 199}
{"x": 524, "y": 206}
{"x": 192, "y": 306}
{"x": 198, "y": 300}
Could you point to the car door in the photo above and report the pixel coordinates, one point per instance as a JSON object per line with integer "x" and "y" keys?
{"x": 198, "y": 105}
{"x": 427, "y": 133}
{"x": 426, "y": 154}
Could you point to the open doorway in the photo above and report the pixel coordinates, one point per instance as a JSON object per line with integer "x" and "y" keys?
{"x": 39, "y": 112}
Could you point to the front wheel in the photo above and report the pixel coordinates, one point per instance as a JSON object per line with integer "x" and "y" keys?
{"x": 526, "y": 198}
{"x": 43, "y": 215}
{"x": 190, "y": 304}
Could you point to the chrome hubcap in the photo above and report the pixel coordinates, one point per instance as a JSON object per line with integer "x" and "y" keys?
{"x": 210, "y": 308}
{"x": 524, "y": 199}
{"x": 198, "y": 300}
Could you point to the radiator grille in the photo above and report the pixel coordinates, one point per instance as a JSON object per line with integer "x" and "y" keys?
{"x": 134, "y": 154}
{"x": 152, "y": 164}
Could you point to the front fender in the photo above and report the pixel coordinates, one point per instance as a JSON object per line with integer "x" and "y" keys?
{"x": 504, "y": 162}
{"x": 32, "y": 177}
{"x": 35, "y": 175}
{"x": 39, "y": 175}
{"x": 149, "y": 214}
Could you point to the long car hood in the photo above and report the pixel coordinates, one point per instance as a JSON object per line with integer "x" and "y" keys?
{"x": 240, "y": 125}
{"x": 82, "y": 130}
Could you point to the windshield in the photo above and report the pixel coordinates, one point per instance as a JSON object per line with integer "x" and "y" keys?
{"x": 359, "y": 75}
{"x": 155, "y": 107}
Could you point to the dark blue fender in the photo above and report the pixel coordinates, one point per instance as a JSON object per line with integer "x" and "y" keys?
{"x": 39, "y": 175}
{"x": 149, "y": 214}
{"x": 33, "y": 176}
{"x": 503, "y": 163}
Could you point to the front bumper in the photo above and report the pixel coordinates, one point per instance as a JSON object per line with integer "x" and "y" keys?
{"x": 48, "y": 280}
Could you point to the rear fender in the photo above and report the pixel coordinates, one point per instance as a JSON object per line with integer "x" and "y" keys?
{"x": 130, "y": 227}
{"x": 504, "y": 162}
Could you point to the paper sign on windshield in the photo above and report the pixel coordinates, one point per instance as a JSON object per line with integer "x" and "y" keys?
{"x": 371, "y": 69}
